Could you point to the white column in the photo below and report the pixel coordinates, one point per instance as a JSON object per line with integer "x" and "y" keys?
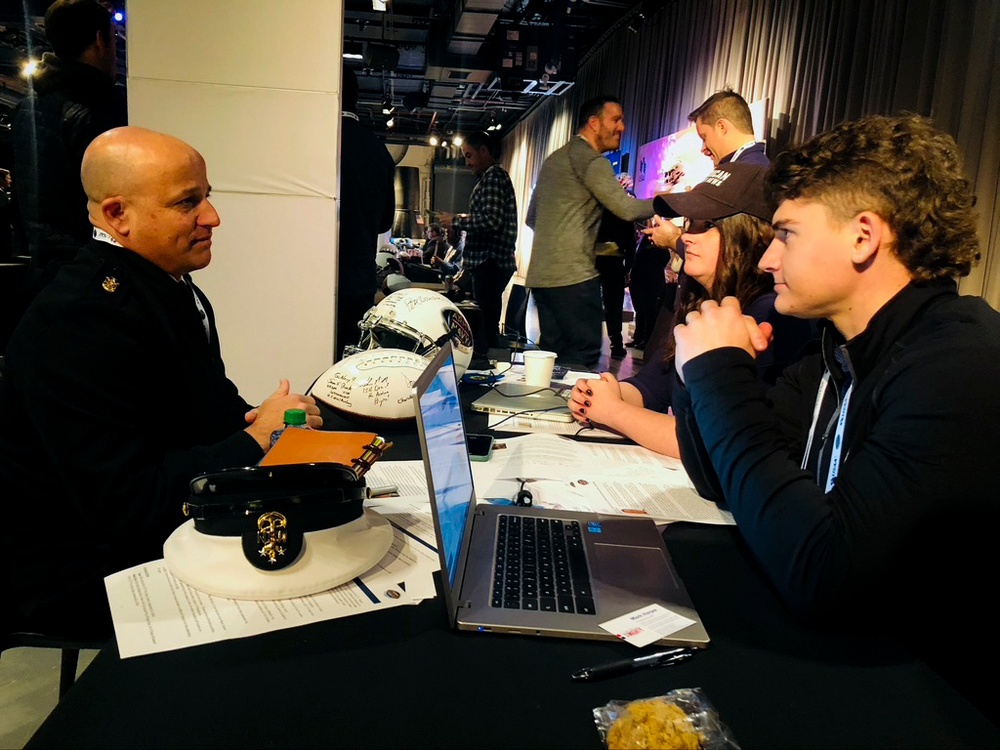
{"x": 254, "y": 85}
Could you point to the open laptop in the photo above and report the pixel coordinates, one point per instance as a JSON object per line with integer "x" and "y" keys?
{"x": 604, "y": 567}
{"x": 511, "y": 399}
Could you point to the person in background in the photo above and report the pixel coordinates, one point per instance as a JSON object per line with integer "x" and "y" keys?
{"x": 491, "y": 227}
{"x": 6, "y": 223}
{"x": 574, "y": 184}
{"x": 452, "y": 261}
{"x": 647, "y": 285}
{"x": 727, "y": 232}
{"x": 114, "y": 393}
{"x": 73, "y": 99}
{"x": 725, "y": 126}
{"x": 615, "y": 253}
{"x": 367, "y": 207}
{"x": 437, "y": 245}
{"x": 863, "y": 482}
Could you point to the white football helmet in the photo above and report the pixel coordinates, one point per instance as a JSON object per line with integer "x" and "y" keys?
{"x": 416, "y": 320}
{"x": 374, "y": 385}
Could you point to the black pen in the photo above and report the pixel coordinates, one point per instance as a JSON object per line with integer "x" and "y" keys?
{"x": 659, "y": 659}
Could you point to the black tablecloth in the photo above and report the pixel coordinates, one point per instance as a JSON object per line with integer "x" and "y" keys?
{"x": 403, "y": 678}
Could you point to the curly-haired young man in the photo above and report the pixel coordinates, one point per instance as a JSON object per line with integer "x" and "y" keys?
{"x": 862, "y": 480}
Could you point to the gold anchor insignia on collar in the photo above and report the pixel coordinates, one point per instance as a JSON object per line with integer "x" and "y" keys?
{"x": 110, "y": 284}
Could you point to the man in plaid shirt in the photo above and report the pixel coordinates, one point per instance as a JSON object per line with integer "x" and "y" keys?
{"x": 491, "y": 227}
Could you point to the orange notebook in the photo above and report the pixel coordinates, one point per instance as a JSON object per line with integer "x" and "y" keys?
{"x": 298, "y": 446}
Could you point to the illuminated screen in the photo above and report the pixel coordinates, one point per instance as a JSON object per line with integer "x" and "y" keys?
{"x": 448, "y": 458}
{"x": 674, "y": 164}
{"x": 671, "y": 165}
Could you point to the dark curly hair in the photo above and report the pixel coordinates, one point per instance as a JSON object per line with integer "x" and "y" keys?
{"x": 743, "y": 239}
{"x": 902, "y": 169}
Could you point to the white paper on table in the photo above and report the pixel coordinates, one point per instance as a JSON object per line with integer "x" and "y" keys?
{"x": 516, "y": 375}
{"x": 408, "y": 477}
{"x": 599, "y": 478}
{"x": 154, "y": 611}
{"x": 555, "y": 457}
{"x": 646, "y": 625}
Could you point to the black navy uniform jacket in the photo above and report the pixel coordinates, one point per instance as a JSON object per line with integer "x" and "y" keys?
{"x": 113, "y": 397}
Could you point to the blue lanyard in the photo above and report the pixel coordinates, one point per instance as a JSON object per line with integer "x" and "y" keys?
{"x": 838, "y": 437}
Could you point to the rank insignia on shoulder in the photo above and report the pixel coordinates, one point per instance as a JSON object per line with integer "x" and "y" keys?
{"x": 110, "y": 284}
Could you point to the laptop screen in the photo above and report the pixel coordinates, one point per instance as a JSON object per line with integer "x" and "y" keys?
{"x": 446, "y": 455}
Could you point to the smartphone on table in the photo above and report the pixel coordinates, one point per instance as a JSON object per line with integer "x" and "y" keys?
{"x": 480, "y": 446}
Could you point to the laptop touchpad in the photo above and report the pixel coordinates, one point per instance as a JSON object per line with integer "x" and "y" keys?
{"x": 637, "y": 569}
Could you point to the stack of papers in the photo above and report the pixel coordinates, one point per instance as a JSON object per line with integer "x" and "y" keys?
{"x": 154, "y": 611}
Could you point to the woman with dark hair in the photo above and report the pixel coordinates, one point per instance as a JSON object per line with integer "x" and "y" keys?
{"x": 725, "y": 235}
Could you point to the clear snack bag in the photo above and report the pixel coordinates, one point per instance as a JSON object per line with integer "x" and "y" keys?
{"x": 682, "y": 718}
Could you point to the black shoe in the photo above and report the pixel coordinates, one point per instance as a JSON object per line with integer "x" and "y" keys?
{"x": 618, "y": 352}
{"x": 635, "y": 344}
{"x": 480, "y": 362}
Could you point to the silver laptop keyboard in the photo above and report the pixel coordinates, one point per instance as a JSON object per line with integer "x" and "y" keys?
{"x": 541, "y": 564}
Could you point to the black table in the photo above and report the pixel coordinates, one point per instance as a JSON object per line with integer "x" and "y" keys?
{"x": 403, "y": 678}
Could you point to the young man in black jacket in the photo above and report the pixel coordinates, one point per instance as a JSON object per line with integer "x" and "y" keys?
{"x": 863, "y": 482}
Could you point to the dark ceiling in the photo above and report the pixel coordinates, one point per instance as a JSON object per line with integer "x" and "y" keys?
{"x": 460, "y": 65}
{"x": 444, "y": 66}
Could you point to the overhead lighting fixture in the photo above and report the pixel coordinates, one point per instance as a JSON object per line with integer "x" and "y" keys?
{"x": 433, "y": 140}
{"x": 457, "y": 140}
{"x": 28, "y": 68}
{"x": 379, "y": 5}
{"x": 390, "y": 122}
{"x": 387, "y": 107}
{"x": 444, "y": 144}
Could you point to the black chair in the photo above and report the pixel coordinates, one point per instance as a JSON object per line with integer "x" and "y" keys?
{"x": 70, "y": 651}
{"x": 14, "y": 634}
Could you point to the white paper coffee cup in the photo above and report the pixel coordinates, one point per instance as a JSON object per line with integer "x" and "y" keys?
{"x": 538, "y": 366}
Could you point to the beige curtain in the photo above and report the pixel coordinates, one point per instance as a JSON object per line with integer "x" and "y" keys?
{"x": 816, "y": 62}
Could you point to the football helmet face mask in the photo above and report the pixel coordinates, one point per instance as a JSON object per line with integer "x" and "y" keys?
{"x": 416, "y": 320}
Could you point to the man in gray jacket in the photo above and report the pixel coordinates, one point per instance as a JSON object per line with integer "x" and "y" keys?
{"x": 573, "y": 187}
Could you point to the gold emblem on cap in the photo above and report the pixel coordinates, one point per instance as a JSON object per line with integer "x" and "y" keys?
{"x": 272, "y": 535}
{"x": 110, "y": 284}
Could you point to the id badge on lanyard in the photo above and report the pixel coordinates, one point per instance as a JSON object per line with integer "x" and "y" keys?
{"x": 838, "y": 436}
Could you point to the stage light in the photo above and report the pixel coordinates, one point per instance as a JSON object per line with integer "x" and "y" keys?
{"x": 457, "y": 140}
{"x": 119, "y": 16}
{"x": 433, "y": 140}
{"x": 390, "y": 123}
{"x": 387, "y": 107}
{"x": 28, "y": 68}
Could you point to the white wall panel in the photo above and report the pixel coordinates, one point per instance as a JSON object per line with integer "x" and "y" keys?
{"x": 256, "y": 43}
{"x": 254, "y": 140}
{"x": 269, "y": 282}
{"x": 254, "y": 86}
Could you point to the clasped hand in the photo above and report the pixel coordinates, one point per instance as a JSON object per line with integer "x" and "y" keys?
{"x": 715, "y": 326}
{"x": 270, "y": 415}
{"x": 591, "y": 401}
